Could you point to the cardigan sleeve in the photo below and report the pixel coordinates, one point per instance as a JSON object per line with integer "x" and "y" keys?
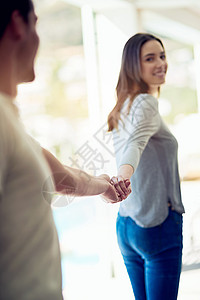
{"x": 142, "y": 122}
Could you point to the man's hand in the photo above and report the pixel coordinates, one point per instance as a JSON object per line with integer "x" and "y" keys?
{"x": 117, "y": 191}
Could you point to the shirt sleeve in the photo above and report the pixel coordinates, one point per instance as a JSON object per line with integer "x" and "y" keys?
{"x": 141, "y": 124}
{"x": 35, "y": 145}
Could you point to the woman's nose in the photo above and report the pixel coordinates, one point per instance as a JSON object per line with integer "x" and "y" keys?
{"x": 160, "y": 62}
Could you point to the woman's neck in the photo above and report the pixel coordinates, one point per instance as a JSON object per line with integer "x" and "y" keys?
{"x": 154, "y": 91}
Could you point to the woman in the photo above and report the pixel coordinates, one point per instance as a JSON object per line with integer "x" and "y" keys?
{"x": 149, "y": 223}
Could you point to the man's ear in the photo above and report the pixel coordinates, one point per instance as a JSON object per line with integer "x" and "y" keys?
{"x": 17, "y": 25}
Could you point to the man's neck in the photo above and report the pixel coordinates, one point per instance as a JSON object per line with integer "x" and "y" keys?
{"x": 8, "y": 84}
{"x": 11, "y": 92}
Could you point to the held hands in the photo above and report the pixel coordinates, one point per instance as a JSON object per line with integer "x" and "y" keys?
{"x": 118, "y": 189}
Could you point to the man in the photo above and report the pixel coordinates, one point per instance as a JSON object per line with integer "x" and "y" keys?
{"x": 29, "y": 249}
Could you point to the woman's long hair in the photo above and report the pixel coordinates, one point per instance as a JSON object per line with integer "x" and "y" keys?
{"x": 130, "y": 83}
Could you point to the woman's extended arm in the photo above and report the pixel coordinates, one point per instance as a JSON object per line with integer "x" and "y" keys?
{"x": 126, "y": 171}
{"x": 142, "y": 123}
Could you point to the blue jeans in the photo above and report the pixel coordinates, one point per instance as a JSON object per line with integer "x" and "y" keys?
{"x": 152, "y": 256}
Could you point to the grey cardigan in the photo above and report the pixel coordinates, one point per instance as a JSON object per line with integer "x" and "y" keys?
{"x": 143, "y": 141}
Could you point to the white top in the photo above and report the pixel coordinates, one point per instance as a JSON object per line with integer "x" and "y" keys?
{"x": 144, "y": 142}
{"x": 29, "y": 249}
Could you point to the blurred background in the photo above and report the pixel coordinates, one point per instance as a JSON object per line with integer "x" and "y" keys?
{"x": 66, "y": 109}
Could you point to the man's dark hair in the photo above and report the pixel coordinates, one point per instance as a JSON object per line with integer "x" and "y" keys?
{"x": 8, "y": 6}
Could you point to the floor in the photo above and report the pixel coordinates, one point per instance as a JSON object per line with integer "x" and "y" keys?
{"x": 120, "y": 288}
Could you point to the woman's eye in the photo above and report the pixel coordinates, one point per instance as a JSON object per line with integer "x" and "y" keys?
{"x": 163, "y": 57}
{"x": 149, "y": 59}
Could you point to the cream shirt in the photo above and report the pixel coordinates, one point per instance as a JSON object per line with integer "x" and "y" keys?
{"x": 29, "y": 249}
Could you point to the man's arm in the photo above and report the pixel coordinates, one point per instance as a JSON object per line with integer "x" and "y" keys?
{"x": 77, "y": 182}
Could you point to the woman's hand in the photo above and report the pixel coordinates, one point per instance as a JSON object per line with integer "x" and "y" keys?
{"x": 122, "y": 186}
{"x": 118, "y": 189}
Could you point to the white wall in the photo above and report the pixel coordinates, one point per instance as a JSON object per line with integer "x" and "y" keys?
{"x": 111, "y": 29}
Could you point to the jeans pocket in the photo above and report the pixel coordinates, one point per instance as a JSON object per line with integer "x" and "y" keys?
{"x": 146, "y": 241}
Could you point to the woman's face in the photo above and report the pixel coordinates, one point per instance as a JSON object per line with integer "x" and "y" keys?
{"x": 153, "y": 65}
